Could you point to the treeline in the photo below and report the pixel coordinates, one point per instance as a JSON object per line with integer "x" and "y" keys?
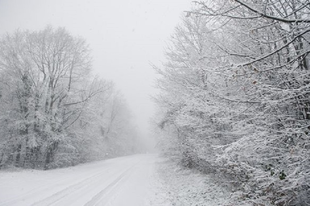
{"x": 53, "y": 113}
{"x": 235, "y": 98}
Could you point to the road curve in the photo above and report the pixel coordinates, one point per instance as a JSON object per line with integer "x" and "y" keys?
{"x": 121, "y": 181}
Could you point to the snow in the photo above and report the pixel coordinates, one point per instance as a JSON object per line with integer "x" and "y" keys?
{"x": 137, "y": 180}
{"x": 121, "y": 181}
{"x": 185, "y": 187}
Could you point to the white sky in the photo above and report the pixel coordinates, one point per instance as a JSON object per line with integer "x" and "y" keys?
{"x": 125, "y": 36}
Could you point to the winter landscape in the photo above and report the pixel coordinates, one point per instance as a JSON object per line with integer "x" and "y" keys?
{"x": 155, "y": 103}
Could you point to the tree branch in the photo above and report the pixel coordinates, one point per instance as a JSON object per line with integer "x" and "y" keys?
{"x": 284, "y": 20}
{"x": 275, "y": 51}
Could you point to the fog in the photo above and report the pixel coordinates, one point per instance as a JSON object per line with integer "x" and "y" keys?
{"x": 125, "y": 38}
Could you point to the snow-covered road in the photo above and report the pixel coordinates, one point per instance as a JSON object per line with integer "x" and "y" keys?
{"x": 127, "y": 181}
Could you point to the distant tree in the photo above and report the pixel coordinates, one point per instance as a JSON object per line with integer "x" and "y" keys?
{"x": 105, "y": 128}
{"x": 120, "y": 133}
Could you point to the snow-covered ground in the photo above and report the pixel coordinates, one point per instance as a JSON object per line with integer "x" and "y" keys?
{"x": 128, "y": 181}
{"x": 185, "y": 187}
{"x": 138, "y": 180}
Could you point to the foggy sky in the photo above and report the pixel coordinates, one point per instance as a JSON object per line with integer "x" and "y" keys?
{"x": 124, "y": 37}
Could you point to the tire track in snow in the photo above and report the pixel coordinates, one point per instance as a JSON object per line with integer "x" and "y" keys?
{"x": 90, "y": 185}
{"x": 54, "y": 198}
{"x": 44, "y": 188}
{"x": 101, "y": 196}
{"x": 80, "y": 186}
{"x": 38, "y": 190}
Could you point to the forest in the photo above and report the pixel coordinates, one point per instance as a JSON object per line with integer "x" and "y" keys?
{"x": 54, "y": 112}
{"x": 234, "y": 98}
{"x": 232, "y": 101}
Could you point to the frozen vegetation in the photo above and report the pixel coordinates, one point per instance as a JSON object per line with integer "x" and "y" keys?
{"x": 234, "y": 98}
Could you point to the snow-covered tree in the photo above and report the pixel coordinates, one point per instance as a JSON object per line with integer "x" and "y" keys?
{"x": 236, "y": 89}
{"x": 47, "y": 75}
{"x": 48, "y": 99}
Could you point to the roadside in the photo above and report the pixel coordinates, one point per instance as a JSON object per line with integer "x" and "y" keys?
{"x": 185, "y": 187}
